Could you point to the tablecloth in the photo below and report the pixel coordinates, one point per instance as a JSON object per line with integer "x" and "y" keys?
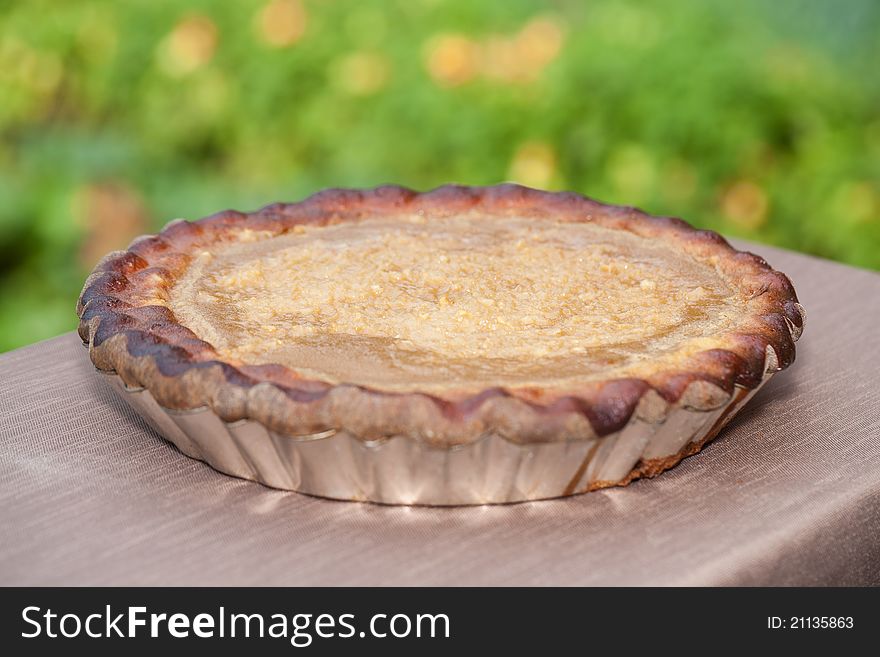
{"x": 788, "y": 494}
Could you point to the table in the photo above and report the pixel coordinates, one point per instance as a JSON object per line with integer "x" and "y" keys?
{"x": 788, "y": 494}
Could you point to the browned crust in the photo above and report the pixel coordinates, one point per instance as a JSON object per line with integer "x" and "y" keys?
{"x": 128, "y": 332}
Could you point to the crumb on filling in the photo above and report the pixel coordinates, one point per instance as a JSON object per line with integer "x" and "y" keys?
{"x": 421, "y": 303}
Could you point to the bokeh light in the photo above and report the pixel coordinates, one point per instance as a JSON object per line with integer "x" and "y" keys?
{"x": 757, "y": 119}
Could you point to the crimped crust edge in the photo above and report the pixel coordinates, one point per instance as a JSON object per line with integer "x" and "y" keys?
{"x": 147, "y": 347}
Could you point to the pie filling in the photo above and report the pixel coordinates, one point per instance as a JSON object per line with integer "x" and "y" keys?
{"x": 410, "y": 303}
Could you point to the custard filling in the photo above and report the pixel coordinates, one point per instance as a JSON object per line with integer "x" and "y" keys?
{"x": 409, "y": 303}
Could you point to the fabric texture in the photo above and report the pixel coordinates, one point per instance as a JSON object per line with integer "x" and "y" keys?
{"x": 788, "y": 494}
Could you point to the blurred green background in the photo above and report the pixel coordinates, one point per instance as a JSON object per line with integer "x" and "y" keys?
{"x": 757, "y": 119}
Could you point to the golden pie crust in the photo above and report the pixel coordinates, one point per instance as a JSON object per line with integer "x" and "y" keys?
{"x": 441, "y": 316}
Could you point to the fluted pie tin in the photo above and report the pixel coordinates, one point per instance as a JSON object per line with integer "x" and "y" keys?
{"x": 401, "y": 470}
{"x": 195, "y": 320}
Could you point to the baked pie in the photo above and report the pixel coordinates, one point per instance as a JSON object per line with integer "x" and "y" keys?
{"x": 464, "y": 345}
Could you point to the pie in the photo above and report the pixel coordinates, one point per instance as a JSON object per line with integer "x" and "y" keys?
{"x": 444, "y": 318}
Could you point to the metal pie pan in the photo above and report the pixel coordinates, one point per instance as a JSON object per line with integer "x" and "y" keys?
{"x": 400, "y": 470}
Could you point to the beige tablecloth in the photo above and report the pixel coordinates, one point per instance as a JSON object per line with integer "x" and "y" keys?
{"x": 788, "y": 494}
